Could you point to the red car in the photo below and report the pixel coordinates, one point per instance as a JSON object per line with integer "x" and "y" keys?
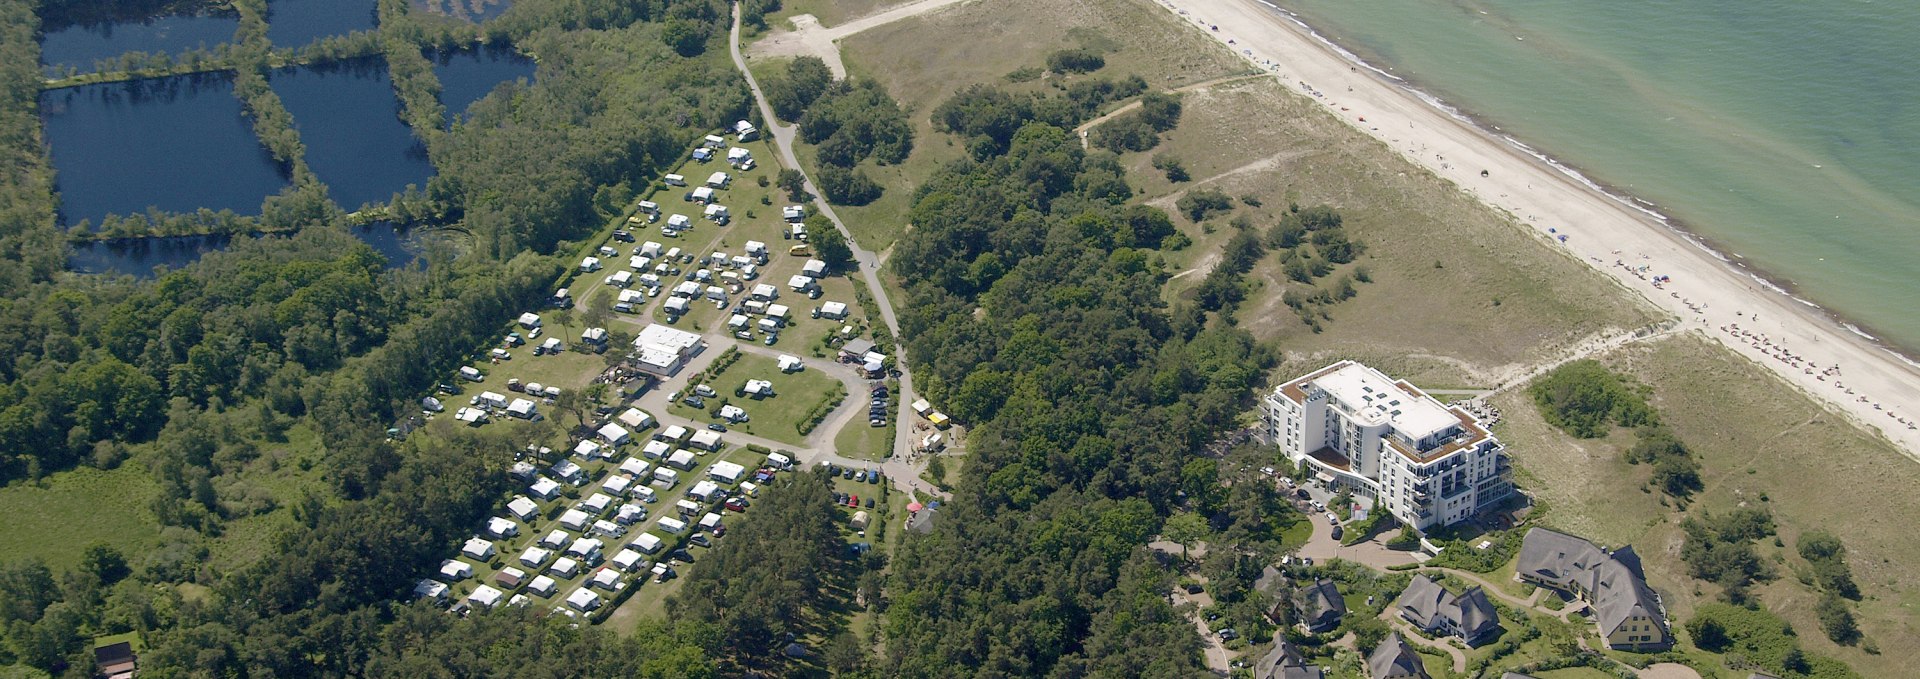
{"x": 737, "y": 504}
{"x": 853, "y": 500}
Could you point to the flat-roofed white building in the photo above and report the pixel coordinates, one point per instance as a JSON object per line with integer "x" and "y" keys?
{"x": 1427, "y": 464}
{"x": 662, "y": 350}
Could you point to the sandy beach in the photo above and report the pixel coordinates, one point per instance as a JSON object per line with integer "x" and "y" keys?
{"x": 1810, "y": 350}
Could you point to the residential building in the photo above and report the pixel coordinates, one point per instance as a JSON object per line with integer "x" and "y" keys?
{"x": 1427, "y": 464}
{"x": 1394, "y": 659}
{"x": 1627, "y": 611}
{"x": 1319, "y": 606}
{"x": 1433, "y": 609}
{"x": 1284, "y": 662}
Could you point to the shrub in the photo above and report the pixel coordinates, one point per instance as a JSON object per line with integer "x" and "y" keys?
{"x": 1160, "y": 110}
{"x": 1125, "y": 133}
{"x": 1176, "y": 171}
{"x": 1198, "y": 205}
{"x": 1583, "y": 397}
{"x": 1080, "y": 60}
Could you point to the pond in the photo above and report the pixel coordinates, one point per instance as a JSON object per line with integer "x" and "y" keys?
{"x": 138, "y": 256}
{"x": 468, "y": 75}
{"x": 349, "y": 119}
{"x": 178, "y": 144}
{"x": 475, "y": 11}
{"x": 294, "y": 23}
{"x": 80, "y": 42}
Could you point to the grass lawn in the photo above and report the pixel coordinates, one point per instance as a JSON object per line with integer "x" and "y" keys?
{"x": 1759, "y": 443}
{"x": 857, "y": 440}
{"x": 57, "y": 518}
{"x": 774, "y": 417}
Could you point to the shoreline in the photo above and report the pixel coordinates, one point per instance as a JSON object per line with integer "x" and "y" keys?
{"x": 1872, "y": 381}
{"x": 1909, "y": 355}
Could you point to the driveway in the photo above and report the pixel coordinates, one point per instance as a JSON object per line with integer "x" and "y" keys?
{"x": 896, "y": 466}
{"x": 1372, "y": 553}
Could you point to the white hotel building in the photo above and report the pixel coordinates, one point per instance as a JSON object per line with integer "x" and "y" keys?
{"x": 1427, "y": 464}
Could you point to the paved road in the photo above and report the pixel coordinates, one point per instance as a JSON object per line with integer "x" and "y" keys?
{"x": 896, "y": 466}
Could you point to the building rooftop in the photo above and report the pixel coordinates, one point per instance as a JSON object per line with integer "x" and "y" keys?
{"x": 1368, "y": 394}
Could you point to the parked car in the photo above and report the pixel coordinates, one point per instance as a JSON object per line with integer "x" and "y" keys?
{"x": 717, "y": 427}
{"x": 873, "y": 477}
{"x": 700, "y": 541}
{"x": 737, "y": 504}
{"x": 846, "y": 472}
{"x": 860, "y": 476}
{"x": 869, "y": 502}
{"x": 623, "y": 307}
{"x": 623, "y": 236}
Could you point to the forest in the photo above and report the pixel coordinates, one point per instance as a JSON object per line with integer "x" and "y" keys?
{"x": 193, "y": 376}
{"x": 1034, "y": 311}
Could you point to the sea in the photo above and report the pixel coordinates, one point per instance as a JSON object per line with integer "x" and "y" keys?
{"x": 1784, "y": 134}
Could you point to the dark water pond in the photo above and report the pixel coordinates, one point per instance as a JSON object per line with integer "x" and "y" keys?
{"x": 294, "y": 23}
{"x": 349, "y": 119}
{"x": 81, "y": 45}
{"x": 468, "y": 75}
{"x": 139, "y": 256}
{"x": 475, "y": 11}
{"x": 178, "y": 144}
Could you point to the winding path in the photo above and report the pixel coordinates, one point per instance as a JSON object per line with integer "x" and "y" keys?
{"x": 896, "y": 466}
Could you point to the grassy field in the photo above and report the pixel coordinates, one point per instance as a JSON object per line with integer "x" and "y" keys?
{"x": 59, "y": 517}
{"x": 775, "y": 416}
{"x": 1759, "y": 443}
{"x": 857, "y": 440}
{"x": 1497, "y": 299}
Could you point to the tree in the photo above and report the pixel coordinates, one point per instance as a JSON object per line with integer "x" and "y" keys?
{"x": 1186, "y": 529}
{"x": 1367, "y": 633}
{"x": 687, "y": 38}
{"x": 828, "y": 243}
{"x": 794, "y": 183}
{"x": 1708, "y": 633}
{"x": 848, "y": 187}
{"x": 104, "y": 562}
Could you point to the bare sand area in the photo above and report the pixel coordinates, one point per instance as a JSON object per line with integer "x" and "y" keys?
{"x": 1808, "y": 349}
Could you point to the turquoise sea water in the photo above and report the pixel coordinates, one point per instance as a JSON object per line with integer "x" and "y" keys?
{"x": 1785, "y": 132}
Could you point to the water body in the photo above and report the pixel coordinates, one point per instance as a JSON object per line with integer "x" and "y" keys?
{"x": 468, "y": 75}
{"x": 295, "y": 23}
{"x": 349, "y": 119}
{"x": 178, "y": 143}
{"x": 138, "y": 257}
{"x": 80, "y": 45}
{"x": 475, "y": 11}
{"x": 1783, "y": 132}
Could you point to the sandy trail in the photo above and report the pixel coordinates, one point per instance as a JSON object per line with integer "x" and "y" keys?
{"x": 1806, "y": 348}
{"x": 808, "y": 37}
